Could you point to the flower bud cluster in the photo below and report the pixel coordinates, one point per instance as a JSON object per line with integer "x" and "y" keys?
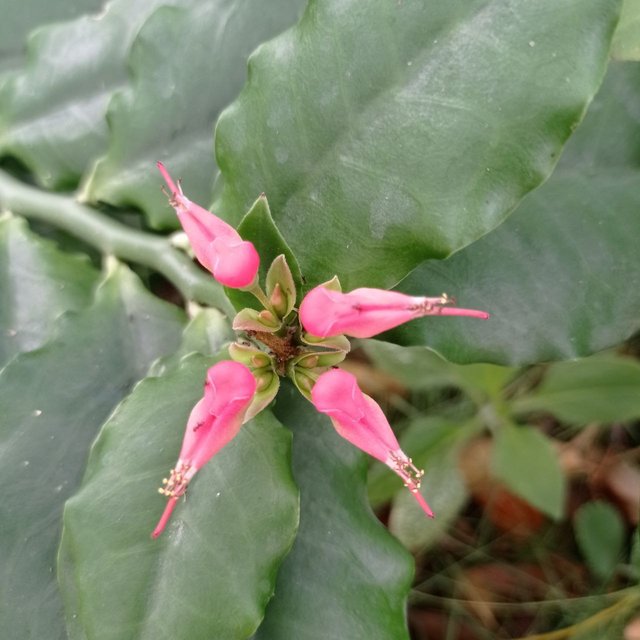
{"x": 304, "y": 344}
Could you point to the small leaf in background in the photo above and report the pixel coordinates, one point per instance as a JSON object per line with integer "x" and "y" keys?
{"x": 635, "y": 553}
{"x": 345, "y": 577}
{"x": 213, "y": 570}
{"x": 169, "y": 108}
{"x": 547, "y": 300}
{"x": 39, "y": 283}
{"x": 525, "y": 460}
{"x": 597, "y": 389}
{"x": 599, "y": 531}
{"x": 626, "y": 41}
{"x": 398, "y": 142}
{"x": 53, "y": 402}
{"x": 258, "y": 227}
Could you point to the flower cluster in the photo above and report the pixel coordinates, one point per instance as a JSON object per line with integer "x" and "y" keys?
{"x": 304, "y": 344}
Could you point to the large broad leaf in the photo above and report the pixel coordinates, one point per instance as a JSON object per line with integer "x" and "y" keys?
{"x": 53, "y": 402}
{"x": 52, "y": 112}
{"x": 187, "y": 65}
{"x": 346, "y": 577}
{"x": 19, "y": 18}
{"x": 605, "y": 389}
{"x": 212, "y": 572}
{"x": 37, "y": 284}
{"x": 385, "y": 133}
{"x": 561, "y": 276}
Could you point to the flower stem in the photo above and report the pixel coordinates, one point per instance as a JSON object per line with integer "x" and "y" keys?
{"x": 113, "y": 238}
{"x": 256, "y": 290}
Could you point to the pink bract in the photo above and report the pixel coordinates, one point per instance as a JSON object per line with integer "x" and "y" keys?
{"x": 233, "y": 261}
{"x": 359, "y": 419}
{"x": 214, "y": 422}
{"x": 364, "y": 313}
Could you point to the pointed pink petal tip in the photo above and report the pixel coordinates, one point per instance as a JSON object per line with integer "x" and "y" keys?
{"x": 164, "y": 518}
{"x": 166, "y": 176}
{"x": 469, "y": 313}
{"x": 423, "y": 503}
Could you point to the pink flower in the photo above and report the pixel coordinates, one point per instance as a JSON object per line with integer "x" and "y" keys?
{"x": 360, "y": 420}
{"x": 363, "y": 313}
{"x": 213, "y": 423}
{"x": 218, "y": 246}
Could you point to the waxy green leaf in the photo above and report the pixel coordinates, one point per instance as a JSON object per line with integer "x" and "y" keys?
{"x": 187, "y": 63}
{"x": 37, "y": 284}
{"x": 258, "y": 227}
{"x": 213, "y": 570}
{"x": 345, "y": 577}
{"x": 53, "y": 402}
{"x": 385, "y": 133}
{"x": 560, "y": 277}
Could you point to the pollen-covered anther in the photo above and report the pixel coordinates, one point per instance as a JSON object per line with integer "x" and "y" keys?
{"x": 410, "y": 474}
{"x": 176, "y": 484}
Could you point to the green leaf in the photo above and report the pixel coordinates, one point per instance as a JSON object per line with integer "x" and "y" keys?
{"x": 213, "y": 570}
{"x": 603, "y": 389}
{"x": 37, "y": 284}
{"x": 386, "y": 133}
{"x": 53, "y": 403}
{"x": 345, "y": 577}
{"x": 559, "y": 276}
{"x": 527, "y": 462}
{"x": 420, "y": 368}
{"x": 626, "y": 41}
{"x": 187, "y": 65}
{"x": 52, "y": 113}
{"x": 20, "y": 18}
{"x": 258, "y": 227}
{"x": 599, "y": 531}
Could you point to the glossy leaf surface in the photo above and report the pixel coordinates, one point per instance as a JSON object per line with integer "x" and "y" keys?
{"x": 345, "y": 577}
{"x": 53, "y": 402}
{"x": 37, "y": 284}
{"x": 398, "y": 142}
{"x": 560, "y": 277}
{"x": 213, "y": 570}
{"x": 169, "y": 110}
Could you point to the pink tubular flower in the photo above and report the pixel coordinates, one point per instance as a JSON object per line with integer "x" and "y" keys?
{"x": 360, "y": 420}
{"x": 213, "y": 423}
{"x": 363, "y": 313}
{"x": 218, "y": 246}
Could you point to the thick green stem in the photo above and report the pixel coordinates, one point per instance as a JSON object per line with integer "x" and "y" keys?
{"x": 113, "y": 238}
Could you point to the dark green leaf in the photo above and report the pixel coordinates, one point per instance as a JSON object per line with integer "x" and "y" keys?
{"x": 527, "y": 462}
{"x": 20, "y": 18}
{"x": 37, "y": 284}
{"x": 213, "y": 570}
{"x": 599, "y": 531}
{"x": 560, "y": 276}
{"x": 604, "y": 389}
{"x": 53, "y": 402}
{"x": 258, "y": 227}
{"x": 346, "y": 577}
{"x": 52, "y": 113}
{"x": 187, "y": 65}
{"x": 387, "y": 132}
